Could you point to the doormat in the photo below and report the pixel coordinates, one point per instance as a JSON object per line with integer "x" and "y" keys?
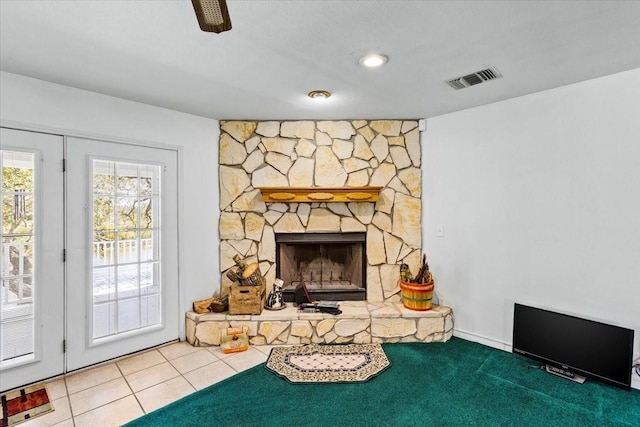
{"x": 328, "y": 363}
{"x": 25, "y": 404}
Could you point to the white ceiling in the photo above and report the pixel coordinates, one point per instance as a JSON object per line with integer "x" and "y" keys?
{"x": 154, "y": 52}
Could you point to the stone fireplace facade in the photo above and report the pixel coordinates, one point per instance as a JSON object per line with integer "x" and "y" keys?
{"x": 354, "y": 153}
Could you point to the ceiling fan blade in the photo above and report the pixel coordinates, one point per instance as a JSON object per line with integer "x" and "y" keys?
{"x": 213, "y": 15}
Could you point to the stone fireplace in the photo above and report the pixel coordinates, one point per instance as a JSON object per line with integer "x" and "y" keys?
{"x": 354, "y": 154}
{"x": 332, "y": 266}
{"x": 381, "y": 234}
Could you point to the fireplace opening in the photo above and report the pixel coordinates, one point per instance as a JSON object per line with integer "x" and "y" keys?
{"x": 331, "y": 265}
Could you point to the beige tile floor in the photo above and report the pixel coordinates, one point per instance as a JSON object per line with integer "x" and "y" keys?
{"x": 117, "y": 392}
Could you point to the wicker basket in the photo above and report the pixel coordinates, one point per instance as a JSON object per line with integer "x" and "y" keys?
{"x": 417, "y": 296}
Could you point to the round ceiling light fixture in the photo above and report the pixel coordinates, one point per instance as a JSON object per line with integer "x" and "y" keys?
{"x": 319, "y": 94}
{"x": 374, "y": 60}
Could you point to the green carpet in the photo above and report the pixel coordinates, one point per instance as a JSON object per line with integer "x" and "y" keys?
{"x": 457, "y": 383}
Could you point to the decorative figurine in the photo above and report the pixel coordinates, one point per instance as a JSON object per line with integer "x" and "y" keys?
{"x": 275, "y": 300}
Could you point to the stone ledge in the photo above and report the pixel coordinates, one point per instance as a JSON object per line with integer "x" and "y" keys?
{"x": 360, "y": 322}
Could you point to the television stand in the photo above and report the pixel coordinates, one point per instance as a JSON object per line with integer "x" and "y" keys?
{"x": 564, "y": 374}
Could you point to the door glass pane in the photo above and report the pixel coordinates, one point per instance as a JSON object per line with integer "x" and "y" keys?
{"x": 126, "y": 247}
{"x": 17, "y": 257}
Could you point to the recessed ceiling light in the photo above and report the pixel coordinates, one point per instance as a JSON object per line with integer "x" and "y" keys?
{"x": 319, "y": 94}
{"x": 374, "y": 60}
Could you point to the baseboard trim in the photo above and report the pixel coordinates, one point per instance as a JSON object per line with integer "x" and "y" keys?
{"x": 490, "y": 342}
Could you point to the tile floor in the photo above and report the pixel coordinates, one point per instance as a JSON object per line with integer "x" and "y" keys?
{"x": 115, "y": 393}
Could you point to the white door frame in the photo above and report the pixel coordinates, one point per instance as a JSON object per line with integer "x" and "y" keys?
{"x": 82, "y": 349}
{"x": 48, "y": 358}
{"x": 68, "y": 132}
{"x": 74, "y": 133}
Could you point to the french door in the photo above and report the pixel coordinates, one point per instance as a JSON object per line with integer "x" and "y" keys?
{"x": 89, "y": 256}
{"x": 31, "y": 260}
{"x": 122, "y": 257}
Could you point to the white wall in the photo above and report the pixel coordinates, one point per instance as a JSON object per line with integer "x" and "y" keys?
{"x": 540, "y": 201}
{"x": 38, "y": 105}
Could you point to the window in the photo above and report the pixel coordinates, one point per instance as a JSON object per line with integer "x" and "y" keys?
{"x": 126, "y": 247}
{"x": 18, "y": 261}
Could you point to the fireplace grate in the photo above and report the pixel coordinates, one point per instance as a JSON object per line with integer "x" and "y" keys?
{"x": 326, "y": 284}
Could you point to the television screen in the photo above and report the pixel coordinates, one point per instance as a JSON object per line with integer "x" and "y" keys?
{"x": 586, "y": 347}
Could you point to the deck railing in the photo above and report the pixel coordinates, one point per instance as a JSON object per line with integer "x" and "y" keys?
{"x": 104, "y": 252}
{"x": 17, "y": 272}
{"x": 17, "y": 264}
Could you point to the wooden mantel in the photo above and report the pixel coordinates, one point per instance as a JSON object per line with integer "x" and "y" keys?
{"x": 319, "y": 194}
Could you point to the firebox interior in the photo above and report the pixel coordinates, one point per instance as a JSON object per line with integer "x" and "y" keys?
{"x": 331, "y": 265}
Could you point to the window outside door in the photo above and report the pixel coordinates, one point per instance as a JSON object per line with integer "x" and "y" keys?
{"x": 126, "y": 247}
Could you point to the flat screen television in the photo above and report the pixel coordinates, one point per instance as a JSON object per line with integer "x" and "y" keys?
{"x": 574, "y": 347}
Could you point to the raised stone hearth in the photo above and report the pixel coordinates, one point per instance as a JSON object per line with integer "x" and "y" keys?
{"x": 360, "y": 323}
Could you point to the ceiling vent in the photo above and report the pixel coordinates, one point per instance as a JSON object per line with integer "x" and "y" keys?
{"x": 474, "y": 78}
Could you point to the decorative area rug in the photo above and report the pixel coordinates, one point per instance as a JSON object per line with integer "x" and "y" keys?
{"x": 25, "y": 404}
{"x": 328, "y": 363}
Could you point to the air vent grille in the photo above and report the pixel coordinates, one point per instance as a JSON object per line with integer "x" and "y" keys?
{"x": 474, "y": 78}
